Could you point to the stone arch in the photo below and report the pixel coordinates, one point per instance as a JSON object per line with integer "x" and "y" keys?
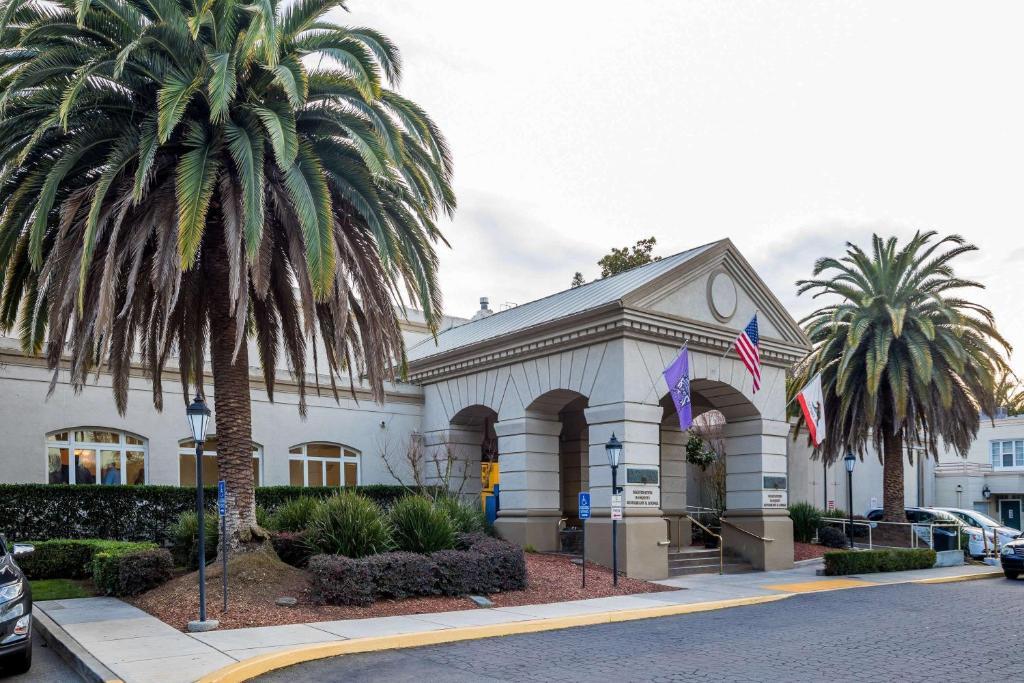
{"x": 461, "y": 447}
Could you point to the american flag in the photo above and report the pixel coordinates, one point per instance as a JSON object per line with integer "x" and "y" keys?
{"x": 750, "y": 352}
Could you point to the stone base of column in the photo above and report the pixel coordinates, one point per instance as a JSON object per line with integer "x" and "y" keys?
{"x": 643, "y": 553}
{"x": 763, "y": 555}
{"x": 537, "y": 531}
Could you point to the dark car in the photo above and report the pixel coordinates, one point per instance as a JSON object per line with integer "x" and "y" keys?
{"x": 15, "y": 611}
{"x": 1012, "y": 558}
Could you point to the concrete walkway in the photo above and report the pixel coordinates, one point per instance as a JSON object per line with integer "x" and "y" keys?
{"x": 128, "y": 644}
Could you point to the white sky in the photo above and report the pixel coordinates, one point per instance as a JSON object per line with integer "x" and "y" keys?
{"x": 790, "y": 127}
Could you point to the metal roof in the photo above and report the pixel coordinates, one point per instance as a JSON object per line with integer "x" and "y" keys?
{"x": 553, "y": 307}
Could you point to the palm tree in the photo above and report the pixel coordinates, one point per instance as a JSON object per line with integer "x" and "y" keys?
{"x": 905, "y": 363}
{"x": 1009, "y": 394}
{"x": 177, "y": 177}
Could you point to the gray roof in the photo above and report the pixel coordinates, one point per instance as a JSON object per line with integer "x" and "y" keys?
{"x": 560, "y": 305}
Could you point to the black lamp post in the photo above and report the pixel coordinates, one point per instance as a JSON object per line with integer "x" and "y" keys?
{"x": 959, "y": 495}
{"x": 198, "y": 415}
{"x": 614, "y": 450}
{"x": 849, "y": 461}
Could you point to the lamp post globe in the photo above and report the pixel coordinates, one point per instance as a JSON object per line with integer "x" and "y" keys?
{"x": 850, "y": 460}
{"x": 614, "y": 451}
{"x": 198, "y": 416}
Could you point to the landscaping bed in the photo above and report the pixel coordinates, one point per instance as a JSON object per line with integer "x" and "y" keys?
{"x": 808, "y": 551}
{"x": 257, "y": 579}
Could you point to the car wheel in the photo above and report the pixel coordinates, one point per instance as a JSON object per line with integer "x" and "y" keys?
{"x": 1011, "y": 574}
{"x": 20, "y": 663}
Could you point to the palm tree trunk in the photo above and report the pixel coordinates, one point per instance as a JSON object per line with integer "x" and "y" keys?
{"x": 893, "y": 508}
{"x": 233, "y": 410}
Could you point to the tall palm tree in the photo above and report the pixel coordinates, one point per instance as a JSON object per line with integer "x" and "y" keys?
{"x": 1009, "y": 394}
{"x": 905, "y": 362}
{"x": 180, "y": 176}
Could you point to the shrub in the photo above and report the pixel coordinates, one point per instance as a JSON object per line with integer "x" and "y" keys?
{"x": 832, "y": 537}
{"x": 339, "y": 580}
{"x": 502, "y": 566}
{"x": 401, "y": 574}
{"x": 349, "y": 524}
{"x": 455, "y": 571}
{"x": 262, "y": 517}
{"x": 806, "y": 520}
{"x": 292, "y": 547}
{"x": 294, "y": 515}
{"x": 418, "y": 526}
{"x": 466, "y": 516}
{"x": 838, "y": 563}
{"x": 70, "y": 558}
{"x": 128, "y": 573}
{"x": 134, "y": 513}
{"x": 185, "y": 539}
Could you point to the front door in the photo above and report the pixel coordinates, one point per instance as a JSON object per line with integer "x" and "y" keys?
{"x": 1009, "y": 512}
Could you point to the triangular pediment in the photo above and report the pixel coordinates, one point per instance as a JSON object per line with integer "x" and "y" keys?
{"x": 719, "y": 288}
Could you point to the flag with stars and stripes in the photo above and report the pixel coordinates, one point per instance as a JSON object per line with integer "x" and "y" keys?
{"x": 750, "y": 352}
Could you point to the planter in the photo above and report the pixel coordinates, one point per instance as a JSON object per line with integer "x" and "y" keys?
{"x": 949, "y": 558}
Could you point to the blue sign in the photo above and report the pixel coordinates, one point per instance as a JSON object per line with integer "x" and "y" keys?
{"x": 221, "y": 492}
{"x": 584, "y": 505}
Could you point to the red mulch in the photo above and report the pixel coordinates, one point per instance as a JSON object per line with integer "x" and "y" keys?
{"x": 255, "y": 581}
{"x": 807, "y": 551}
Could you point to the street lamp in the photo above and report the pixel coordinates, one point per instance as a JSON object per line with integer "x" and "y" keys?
{"x": 198, "y": 415}
{"x": 614, "y": 450}
{"x": 986, "y": 492}
{"x": 959, "y": 494}
{"x": 850, "y": 461}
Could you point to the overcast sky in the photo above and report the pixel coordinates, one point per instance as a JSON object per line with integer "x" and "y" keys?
{"x": 789, "y": 127}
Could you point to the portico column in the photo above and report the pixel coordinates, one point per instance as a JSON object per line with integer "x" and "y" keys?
{"x": 756, "y": 523}
{"x": 642, "y": 533}
{"x": 528, "y": 470}
{"x": 673, "y": 482}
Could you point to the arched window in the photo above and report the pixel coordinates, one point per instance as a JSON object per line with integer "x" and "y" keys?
{"x": 323, "y": 464}
{"x": 211, "y": 473}
{"x": 91, "y": 455}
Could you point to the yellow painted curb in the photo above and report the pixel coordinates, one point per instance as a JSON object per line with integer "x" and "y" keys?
{"x": 249, "y": 668}
{"x": 962, "y": 577}
{"x": 820, "y": 585}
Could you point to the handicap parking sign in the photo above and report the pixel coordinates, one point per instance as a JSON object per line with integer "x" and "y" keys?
{"x": 584, "y": 505}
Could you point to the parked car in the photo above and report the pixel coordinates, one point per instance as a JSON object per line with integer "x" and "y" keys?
{"x": 1011, "y": 556}
{"x": 15, "y": 611}
{"x": 1003, "y": 534}
{"x": 945, "y": 536}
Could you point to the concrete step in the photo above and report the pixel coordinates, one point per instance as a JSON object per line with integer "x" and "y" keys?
{"x": 711, "y": 568}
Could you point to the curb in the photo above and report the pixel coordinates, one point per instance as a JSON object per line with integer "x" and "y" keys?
{"x": 962, "y": 577}
{"x": 61, "y": 642}
{"x": 249, "y": 668}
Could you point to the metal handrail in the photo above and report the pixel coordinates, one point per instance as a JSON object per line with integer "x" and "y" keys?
{"x": 721, "y": 545}
{"x": 765, "y": 539}
{"x": 914, "y": 538}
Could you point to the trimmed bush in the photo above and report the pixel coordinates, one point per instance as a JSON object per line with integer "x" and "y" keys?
{"x": 70, "y": 558}
{"x": 339, "y": 580}
{"x": 418, "y": 526}
{"x": 292, "y": 547}
{"x": 466, "y": 516}
{"x": 839, "y": 563}
{"x": 401, "y": 574}
{"x": 185, "y": 539}
{"x": 294, "y": 515}
{"x": 806, "y": 520}
{"x": 349, "y": 524}
{"x": 134, "y": 513}
{"x": 126, "y": 573}
{"x": 832, "y": 537}
{"x": 483, "y": 565}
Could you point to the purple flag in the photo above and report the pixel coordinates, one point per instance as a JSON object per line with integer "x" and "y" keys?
{"x": 677, "y": 377}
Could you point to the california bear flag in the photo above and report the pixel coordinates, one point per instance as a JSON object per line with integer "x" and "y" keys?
{"x": 812, "y": 402}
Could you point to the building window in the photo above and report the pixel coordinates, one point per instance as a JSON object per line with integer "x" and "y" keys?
{"x": 96, "y": 456}
{"x": 323, "y": 464}
{"x": 1006, "y": 454}
{"x": 211, "y": 472}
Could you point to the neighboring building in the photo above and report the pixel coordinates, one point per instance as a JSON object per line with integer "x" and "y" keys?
{"x": 549, "y": 381}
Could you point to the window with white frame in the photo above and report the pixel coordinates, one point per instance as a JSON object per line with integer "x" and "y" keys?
{"x": 1008, "y": 454}
{"x": 88, "y": 455}
{"x": 323, "y": 464}
{"x": 211, "y": 472}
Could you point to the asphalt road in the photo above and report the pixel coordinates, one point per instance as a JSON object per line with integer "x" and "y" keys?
{"x": 46, "y": 666}
{"x": 967, "y": 631}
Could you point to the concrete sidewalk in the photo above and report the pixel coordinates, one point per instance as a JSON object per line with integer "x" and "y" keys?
{"x": 130, "y": 645}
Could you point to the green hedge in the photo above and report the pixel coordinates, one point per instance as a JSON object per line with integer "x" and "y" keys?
{"x": 130, "y": 513}
{"x": 130, "y": 572}
{"x": 839, "y": 563}
{"x": 71, "y": 558}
